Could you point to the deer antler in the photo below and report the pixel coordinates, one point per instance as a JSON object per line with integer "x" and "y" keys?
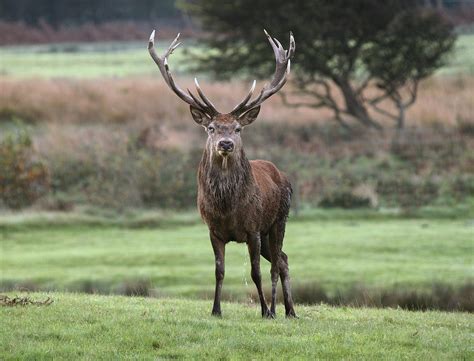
{"x": 205, "y": 104}
{"x": 282, "y": 69}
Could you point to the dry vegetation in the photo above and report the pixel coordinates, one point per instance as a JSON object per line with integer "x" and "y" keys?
{"x": 130, "y": 141}
{"x": 23, "y": 301}
{"x": 143, "y": 99}
{"x": 121, "y": 101}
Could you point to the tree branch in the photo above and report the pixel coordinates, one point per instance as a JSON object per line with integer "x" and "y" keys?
{"x": 324, "y": 100}
{"x": 363, "y": 86}
{"x": 384, "y": 112}
{"x": 413, "y": 93}
{"x": 287, "y": 102}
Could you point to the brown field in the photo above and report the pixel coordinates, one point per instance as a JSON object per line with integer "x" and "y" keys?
{"x": 442, "y": 100}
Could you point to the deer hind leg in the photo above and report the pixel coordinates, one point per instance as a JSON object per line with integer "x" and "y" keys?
{"x": 283, "y": 272}
{"x": 285, "y": 281}
{"x": 254, "y": 246}
{"x": 286, "y": 192}
{"x": 265, "y": 246}
{"x": 274, "y": 250}
{"x": 280, "y": 268}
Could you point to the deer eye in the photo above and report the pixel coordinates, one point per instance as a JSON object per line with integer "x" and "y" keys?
{"x": 211, "y": 129}
{"x": 237, "y": 130}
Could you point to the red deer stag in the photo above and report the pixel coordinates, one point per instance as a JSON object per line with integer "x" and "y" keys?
{"x": 240, "y": 200}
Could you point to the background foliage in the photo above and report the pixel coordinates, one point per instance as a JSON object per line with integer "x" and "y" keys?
{"x": 74, "y": 12}
{"x": 23, "y": 178}
{"x": 349, "y": 46}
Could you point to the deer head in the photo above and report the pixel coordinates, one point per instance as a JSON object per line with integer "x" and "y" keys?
{"x": 224, "y": 129}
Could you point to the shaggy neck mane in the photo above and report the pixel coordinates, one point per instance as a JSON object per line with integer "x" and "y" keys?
{"x": 225, "y": 183}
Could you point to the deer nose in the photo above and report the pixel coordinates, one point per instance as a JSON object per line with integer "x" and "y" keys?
{"x": 226, "y": 145}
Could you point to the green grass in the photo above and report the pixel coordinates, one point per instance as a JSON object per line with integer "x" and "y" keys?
{"x": 109, "y": 328}
{"x": 177, "y": 260}
{"x": 462, "y": 59}
{"x": 82, "y": 60}
{"x": 131, "y": 58}
{"x": 172, "y": 251}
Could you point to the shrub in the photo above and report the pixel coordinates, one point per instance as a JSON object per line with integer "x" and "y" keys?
{"x": 169, "y": 180}
{"x": 23, "y": 179}
{"x": 122, "y": 166}
{"x": 462, "y": 185}
{"x": 345, "y": 199}
{"x": 119, "y": 172}
{"x": 465, "y": 127}
{"x": 408, "y": 191}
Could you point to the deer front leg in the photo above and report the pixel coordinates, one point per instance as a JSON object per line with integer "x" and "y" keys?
{"x": 254, "y": 246}
{"x": 219, "y": 255}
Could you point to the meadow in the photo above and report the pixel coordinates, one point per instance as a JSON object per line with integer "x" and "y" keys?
{"x": 120, "y": 153}
{"x": 86, "y": 60}
{"x": 329, "y": 257}
{"x": 91, "y": 327}
{"x": 83, "y": 60}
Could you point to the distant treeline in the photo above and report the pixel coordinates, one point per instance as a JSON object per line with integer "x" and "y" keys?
{"x": 77, "y": 12}
{"x": 53, "y": 21}
{"x": 56, "y": 21}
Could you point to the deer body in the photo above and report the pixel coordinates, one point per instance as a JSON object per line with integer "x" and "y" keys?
{"x": 234, "y": 206}
{"x": 240, "y": 200}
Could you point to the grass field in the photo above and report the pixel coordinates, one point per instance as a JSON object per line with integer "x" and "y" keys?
{"x": 177, "y": 260}
{"x": 104, "y": 328}
{"x": 83, "y": 60}
{"x": 131, "y": 58}
{"x": 169, "y": 256}
{"x": 462, "y": 60}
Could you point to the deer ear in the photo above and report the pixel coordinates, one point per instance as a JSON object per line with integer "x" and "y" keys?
{"x": 249, "y": 117}
{"x": 199, "y": 116}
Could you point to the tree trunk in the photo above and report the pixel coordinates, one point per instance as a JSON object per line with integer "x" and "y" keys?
{"x": 401, "y": 116}
{"x": 354, "y": 106}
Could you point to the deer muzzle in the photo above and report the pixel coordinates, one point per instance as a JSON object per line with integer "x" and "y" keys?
{"x": 225, "y": 147}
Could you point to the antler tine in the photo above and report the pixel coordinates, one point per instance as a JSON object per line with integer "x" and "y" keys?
{"x": 203, "y": 97}
{"x": 291, "y": 50}
{"x": 162, "y": 63}
{"x": 282, "y": 69}
{"x": 247, "y": 98}
{"x": 196, "y": 99}
{"x": 268, "y": 91}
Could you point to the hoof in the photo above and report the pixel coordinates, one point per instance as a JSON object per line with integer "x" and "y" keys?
{"x": 291, "y": 314}
{"x": 216, "y": 313}
{"x": 268, "y": 314}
